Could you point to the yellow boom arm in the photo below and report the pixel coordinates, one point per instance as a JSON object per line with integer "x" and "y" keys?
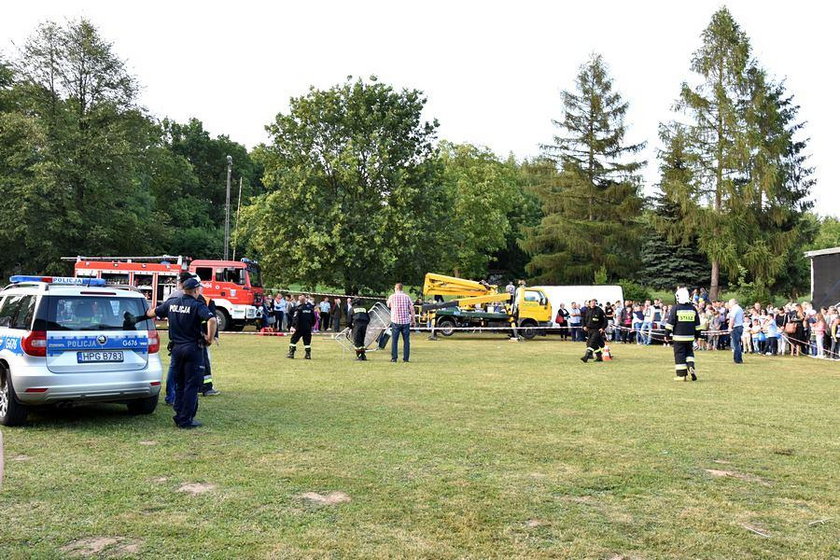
{"x": 438, "y": 284}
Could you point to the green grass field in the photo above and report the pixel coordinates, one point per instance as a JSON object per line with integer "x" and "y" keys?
{"x": 479, "y": 448}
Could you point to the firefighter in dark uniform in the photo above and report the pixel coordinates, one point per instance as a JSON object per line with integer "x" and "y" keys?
{"x": 359, "y": 323}
{"x": 207, "y": 388}
{"x": 185, "y": 315}
{"x": 684, "y": 327}
{"x": 594, "y": 323}
{"x": 302, "y": 322}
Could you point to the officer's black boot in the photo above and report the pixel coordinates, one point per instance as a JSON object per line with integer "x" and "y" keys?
{"x": 307, "y": 354}
{"x": 359, "y": 355}
{"x": 362, "y": 356}
{"x": 692, "y": 372}
{"x": 291, "y": 353}
{"x": 599, "y": 356}
{"x": 586, "y": 357}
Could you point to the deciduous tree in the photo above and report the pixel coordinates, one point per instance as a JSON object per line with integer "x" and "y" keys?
{"x": 355, "y": 197}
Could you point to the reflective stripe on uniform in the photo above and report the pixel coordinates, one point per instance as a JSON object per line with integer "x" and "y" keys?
{"x": 683, "y": 338}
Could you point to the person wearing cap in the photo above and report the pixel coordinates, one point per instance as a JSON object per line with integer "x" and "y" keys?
{"x": 169, "y": 398}
{"x": 683, "y": 326}
{"x": 185, "y": 315}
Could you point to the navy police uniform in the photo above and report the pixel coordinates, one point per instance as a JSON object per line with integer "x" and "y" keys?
{"x": 594, "y": 323}
{"x": 684, "y": 324}
{"x": 359, "y": 322}
{"x": 185, "y": 315}
{"x": 302, "y": 321}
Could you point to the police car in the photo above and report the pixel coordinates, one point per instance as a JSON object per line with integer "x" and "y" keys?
{"x": 67, "y": 340}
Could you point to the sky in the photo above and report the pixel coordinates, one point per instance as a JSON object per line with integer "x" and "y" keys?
{"x": 492, "y": 71}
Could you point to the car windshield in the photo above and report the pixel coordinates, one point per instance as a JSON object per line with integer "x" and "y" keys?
{"x": 86, "y": 313}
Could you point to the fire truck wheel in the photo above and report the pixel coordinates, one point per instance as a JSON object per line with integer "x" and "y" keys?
{"x": 222, "y": 319}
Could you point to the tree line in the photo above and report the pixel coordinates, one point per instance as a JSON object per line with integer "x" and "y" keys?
{"x": 354, "y": 189}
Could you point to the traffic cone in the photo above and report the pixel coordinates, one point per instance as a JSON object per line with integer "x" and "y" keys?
{"x": 606, "y": 353}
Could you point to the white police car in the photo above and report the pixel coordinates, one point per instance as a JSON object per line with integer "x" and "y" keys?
{"x": 65, "y": 340}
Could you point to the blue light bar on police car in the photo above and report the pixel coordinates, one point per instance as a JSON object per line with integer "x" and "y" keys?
{"x": 65, "y": 280}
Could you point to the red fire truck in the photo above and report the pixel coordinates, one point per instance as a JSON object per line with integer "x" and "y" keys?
{"x": 235, "y": 286}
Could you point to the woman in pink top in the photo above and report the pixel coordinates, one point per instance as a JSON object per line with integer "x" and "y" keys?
{"x": 819, "y": 333}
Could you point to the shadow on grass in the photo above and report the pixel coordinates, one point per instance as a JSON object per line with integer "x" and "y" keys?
{"x": 93, "y": 416}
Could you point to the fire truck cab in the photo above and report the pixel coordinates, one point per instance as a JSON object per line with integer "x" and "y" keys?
{"x": 235, "y": 286}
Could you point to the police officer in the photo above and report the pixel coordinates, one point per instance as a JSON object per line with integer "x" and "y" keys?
{"x": 359, "y": 323}
{"x": 302, "y": 321}
{"x": 170, "y": 374}
{"x": 684, "y": 323}
{"x": 185, "y": 314}
{"x": 594, "y": 323}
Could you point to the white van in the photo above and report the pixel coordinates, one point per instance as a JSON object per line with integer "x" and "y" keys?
{"x": 580, "y": 294}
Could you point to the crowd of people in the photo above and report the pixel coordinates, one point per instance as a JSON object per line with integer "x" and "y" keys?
{"x": 795, "y": 329}
{"x": 331, "y": 313}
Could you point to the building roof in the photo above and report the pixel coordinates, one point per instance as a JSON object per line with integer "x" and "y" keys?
{"x": 821, "y": 252}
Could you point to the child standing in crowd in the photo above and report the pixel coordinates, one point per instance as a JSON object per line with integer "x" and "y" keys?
{"x": 819, "y": 333}
{"x": 771, "y": 331}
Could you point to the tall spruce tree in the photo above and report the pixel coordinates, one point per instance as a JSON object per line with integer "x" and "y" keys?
{"x": 749, "y": 182}
{"x": 591, "y": 209}
{"x": 670, "y": 251}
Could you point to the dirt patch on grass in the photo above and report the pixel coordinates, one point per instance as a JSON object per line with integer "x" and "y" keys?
{"x": 196, "y": 488}
{"x": 331, "y": 499}
{"x": 581, "y": 499}
{"x": 533, "y": 523}
{"x": 739, "y": 476}
{"x": 106, "y": 547}
{"x": 160, "y": 479}
{"x": 21, "y": 458}
{"x": 147, "y": 442}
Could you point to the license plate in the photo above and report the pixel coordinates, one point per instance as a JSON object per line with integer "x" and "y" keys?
{"x": 99, "y": 356}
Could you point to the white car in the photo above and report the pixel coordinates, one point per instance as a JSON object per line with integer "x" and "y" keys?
{"x": 66, "y": 340}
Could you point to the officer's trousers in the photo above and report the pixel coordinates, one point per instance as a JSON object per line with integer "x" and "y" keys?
{"x": 683, "y": 357}
{"x": 595, "y": 342}
{"x": 359, "y": 332}
{"x": 188, "y": 360}
{"x": 305, "y": 335}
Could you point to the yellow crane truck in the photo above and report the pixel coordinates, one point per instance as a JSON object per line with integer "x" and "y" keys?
{"x": 478, "y": 304}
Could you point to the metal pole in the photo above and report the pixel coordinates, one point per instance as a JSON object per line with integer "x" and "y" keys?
{"x": 238, "y": 206}
{"x": 227, "y": 207}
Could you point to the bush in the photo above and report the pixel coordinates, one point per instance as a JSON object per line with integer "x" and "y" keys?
{"x": 633, "y": 291}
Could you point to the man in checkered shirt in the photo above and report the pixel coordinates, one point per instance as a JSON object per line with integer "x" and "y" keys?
{"x": 402, "y": 319}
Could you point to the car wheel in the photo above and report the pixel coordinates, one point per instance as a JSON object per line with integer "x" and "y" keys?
{"x": 446, "y": 326}
{"x": 12, "y": 413}
{"x": 143, "y": 406}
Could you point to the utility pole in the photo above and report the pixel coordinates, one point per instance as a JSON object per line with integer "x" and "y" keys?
{"x": 238, "y": 206}
{"x": 227, "y": 207}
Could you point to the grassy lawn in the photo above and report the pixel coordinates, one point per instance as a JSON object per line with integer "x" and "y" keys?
{"x": 479, "y": 448}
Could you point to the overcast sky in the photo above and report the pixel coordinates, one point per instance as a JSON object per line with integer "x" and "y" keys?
{"x": 492, "y": 71}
